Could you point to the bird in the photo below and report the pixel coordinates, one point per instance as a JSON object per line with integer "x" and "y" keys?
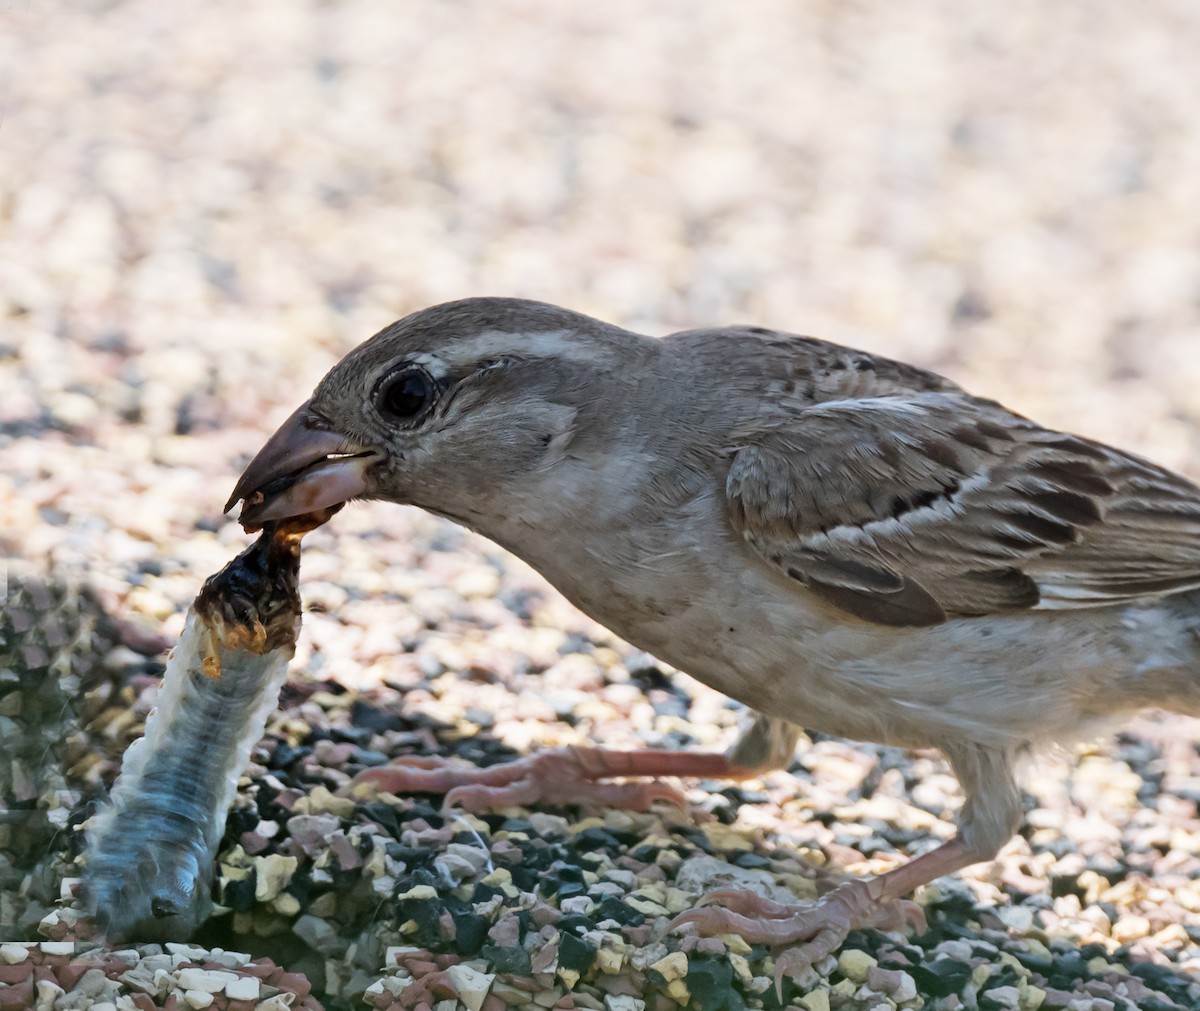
{"x": 841, "y": 542}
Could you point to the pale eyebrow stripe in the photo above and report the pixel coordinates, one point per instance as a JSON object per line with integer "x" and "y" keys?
{"x": 500, "y": 343}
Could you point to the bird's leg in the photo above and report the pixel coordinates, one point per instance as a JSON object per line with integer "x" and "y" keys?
{"x": 576, "y": 774}
{"x": 989, "y": 818}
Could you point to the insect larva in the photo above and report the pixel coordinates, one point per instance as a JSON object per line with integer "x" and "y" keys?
{"x": 149, "y": 863}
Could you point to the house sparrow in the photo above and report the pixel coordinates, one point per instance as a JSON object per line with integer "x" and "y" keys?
{"x": 839, "y": 541}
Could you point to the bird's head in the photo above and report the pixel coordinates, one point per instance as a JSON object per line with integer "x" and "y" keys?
{"x": 445, "y": 409}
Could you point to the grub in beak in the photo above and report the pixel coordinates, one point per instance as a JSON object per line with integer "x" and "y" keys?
{"x": 302, "y": 468}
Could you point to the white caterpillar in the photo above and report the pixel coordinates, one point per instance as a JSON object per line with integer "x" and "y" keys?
{"x": 149, "y": 863}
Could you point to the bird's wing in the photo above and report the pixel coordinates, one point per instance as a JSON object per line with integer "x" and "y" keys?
{"x": 907, "y": 509}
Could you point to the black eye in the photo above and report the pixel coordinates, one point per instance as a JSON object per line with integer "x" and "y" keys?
{"x": 405, "y": 395}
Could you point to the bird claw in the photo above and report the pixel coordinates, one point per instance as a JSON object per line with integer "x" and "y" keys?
{"x": 562, "y": 776}
{"x": 816, "y": 930}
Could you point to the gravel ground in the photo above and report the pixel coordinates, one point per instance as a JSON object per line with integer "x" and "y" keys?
{"x": 202, "y": 209}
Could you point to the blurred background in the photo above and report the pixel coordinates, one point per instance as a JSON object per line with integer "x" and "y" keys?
{"x": 201, "y": 210}
{"x": 203, "y": 206}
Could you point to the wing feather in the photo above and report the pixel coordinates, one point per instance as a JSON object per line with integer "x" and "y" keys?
{"x": 907, "y": 509}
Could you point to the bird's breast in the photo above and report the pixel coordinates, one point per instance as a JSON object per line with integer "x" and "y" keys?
{"x": 680, "y": 586}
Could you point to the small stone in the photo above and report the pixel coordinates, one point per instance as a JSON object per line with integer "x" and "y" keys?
{"x": 623, "y": 1002}
{"x": 319, "y": 800}
{"x": 47, "y": 992}
{"x": 324, "y": 905}
{"x": 499, "y": 877}
{"x": 726, "y": 839}
{"x": 1018, "y": 918}
{"x": 279, "y": 1002}
{"x": 454, "y": 868}
{"x": 93, "y": 983}
{"x": 311, "y": 832}
{"x": 702, "y": 874}
{"x": 815, "y": 1000}
{"x": 471, "y": 985}
{"x": 13, "y": 953}
{"x": 549, "y": 824}
{"x": 253, "y": 843}
{"x": 1033, "y": 998}
{"x": 674, "y": 966}
{"x": 286, "y": 904}
{"x": 297, "y": 982}
{"x": 1006, "y": 997}
{"x": 274, "y": 872}
{"x": 243, "y": 988}
{"x": 906, "y": 989}
{"x": 883, "y": 980}
{"x": 345, "y": 851}
{"x": 319, "y": 935}
{"x": 208, "y": 980}
{"x": 626, "y": 879}
{"x": 476, "y": 856}
{"x": 956, "y": 949}
{"x": 1129, "y": 928}
{"x": 58, "y": 947}
{"x": 843, "y": 988}
{"x": 677, "y": 990}
{"x": 855, "y": 964}
{"x": 420, "y": 892}
{"x": 610, "y": 960}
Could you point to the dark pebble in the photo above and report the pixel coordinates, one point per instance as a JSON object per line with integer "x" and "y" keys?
{"x": 614, "y": 909}
{"x": 427, "y": 914}
{"x": 710, "y": 982}
{"x": 1068, "y": 969}
{"x": 384, "y": 816}
{"x": 241, "y": 819}
{"x": 424, "y": 810}
{"x": 1004, "y": 975}
{"x": 595, "y": 839}
{"x": 697, "y": 837}
{"x": 1035, "y": 963}
{"x": 239, "y": 895}
{"x": 941, "y": 977}
{"x": 569, "y": 924}
{"x": 370, "y": 759}
{"x": 511, "y": 960}
{"x": 372, "y": 718}
{"x": 483, "y": 893}
{"x": 360, "y": 736}
{"x": 470, "y": 931}
{"x": 418, "y": 876}
{"x": 575, "y": 953}
{"x": 1162, "y": 978}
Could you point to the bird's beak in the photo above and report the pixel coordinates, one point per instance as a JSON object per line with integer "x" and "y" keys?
{"x": 302, "y": 468}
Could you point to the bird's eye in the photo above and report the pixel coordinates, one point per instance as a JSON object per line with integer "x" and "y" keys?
{"x": 405, "y": 395}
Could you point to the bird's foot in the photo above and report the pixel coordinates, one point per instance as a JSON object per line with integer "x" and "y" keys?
{"x": 816, "y": 931}
{"x": 562, "y": 776}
